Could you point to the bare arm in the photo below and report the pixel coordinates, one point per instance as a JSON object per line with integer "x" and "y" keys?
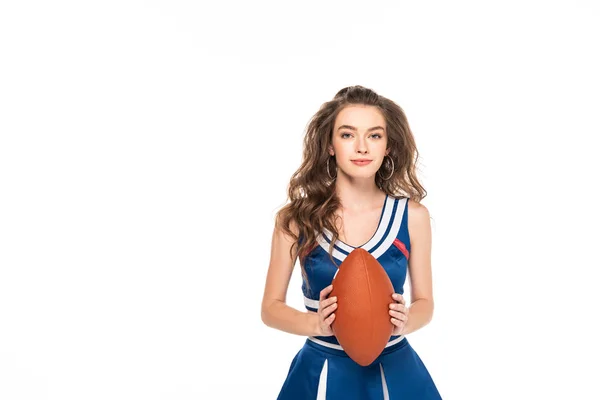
{"x": 275, "y": 313}
{"x": 419, "y": 264}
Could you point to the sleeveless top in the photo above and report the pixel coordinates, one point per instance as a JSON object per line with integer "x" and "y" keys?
{"x": 390, "y": 245}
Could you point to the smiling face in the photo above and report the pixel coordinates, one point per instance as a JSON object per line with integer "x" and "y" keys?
{"x": 359, "y": 132}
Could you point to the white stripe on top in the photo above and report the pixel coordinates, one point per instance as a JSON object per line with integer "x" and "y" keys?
{"x": 402, "y": 204}
{"x": 338, "y": 347}
{"x": 311, "y": 303}
{"x": 381, "y": 228}
{"x": 336, "y": 253}
{"x": 387, "y": 242}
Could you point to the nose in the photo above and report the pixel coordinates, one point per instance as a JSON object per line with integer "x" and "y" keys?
{"x": 361, "y": 145}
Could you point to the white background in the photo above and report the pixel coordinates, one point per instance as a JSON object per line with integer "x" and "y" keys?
{"x": 146, "y": 145}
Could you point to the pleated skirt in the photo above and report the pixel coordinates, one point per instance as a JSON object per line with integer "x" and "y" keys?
{"x": 318, "y": 372}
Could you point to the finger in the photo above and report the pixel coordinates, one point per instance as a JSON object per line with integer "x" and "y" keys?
{"x": 328, "y": 301}
{"x": 399, "y": 307}
{"x": 398, "y": 315}
{"x": 398, "y": 297}
{"x": 329, "y": 310}
{"x": 397, "y": 322}
{"x": 398, "y": 330}
{"x": 325, "y": 292}
{"x": 330, "y": 319}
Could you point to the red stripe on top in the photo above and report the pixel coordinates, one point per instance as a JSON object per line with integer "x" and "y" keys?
{"x": 309, "y": 250}
{"x": 402, "y": 247}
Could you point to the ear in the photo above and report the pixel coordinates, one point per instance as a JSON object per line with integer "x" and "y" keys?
{"x": 387, "y": 152}
{"x": 331, "y": 152}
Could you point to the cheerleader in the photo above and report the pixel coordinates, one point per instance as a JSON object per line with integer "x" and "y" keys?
{"x": 356, "y": 187}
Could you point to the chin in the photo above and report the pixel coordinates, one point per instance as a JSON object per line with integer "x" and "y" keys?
{"x": 362, "y": 175}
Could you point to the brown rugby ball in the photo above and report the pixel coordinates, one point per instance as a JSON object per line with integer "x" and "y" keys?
{"x": 364, "y": 291}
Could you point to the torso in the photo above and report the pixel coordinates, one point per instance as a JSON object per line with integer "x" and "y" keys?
{"x": 387, "y": 240}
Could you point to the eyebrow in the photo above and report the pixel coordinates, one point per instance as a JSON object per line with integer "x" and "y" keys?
{"x": 353, "y": 128}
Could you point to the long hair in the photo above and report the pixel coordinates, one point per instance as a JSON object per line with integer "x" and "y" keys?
{"x": 312, "y": 200}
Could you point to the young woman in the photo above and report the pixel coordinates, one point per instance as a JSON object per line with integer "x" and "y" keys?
{"x": 356, "y": 187}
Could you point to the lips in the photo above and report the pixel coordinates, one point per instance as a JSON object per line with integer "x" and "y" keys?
{"x": 361, "y": 162}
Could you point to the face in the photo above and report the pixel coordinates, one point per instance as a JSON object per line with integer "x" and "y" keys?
{"x": 359, "y": 132}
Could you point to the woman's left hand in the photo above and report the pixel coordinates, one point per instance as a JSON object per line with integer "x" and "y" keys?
{"x": 399, "y": 314}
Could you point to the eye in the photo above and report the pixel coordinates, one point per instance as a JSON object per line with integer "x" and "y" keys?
{"x": 375, "y": 134}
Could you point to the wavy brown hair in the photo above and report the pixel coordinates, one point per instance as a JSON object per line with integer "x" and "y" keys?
{"x": 312, "y": 200}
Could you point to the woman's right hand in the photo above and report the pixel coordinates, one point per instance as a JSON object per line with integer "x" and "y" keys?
{"x": 325, "y": 312}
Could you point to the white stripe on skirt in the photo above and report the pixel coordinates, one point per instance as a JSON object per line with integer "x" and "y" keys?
{"x": 386, "y": 394}
{"x": 322, "y": 389}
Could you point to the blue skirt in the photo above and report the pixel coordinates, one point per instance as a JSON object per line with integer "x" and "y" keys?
{"x": 320, "y": 372}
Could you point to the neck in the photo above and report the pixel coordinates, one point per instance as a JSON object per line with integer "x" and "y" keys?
{"x": 358, "y": 194}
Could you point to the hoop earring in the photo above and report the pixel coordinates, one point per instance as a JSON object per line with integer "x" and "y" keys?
{"x": 392, "y": 171}
{"x": 329, "y": 173}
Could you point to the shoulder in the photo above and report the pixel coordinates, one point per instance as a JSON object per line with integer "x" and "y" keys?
{"x": 418, "y": 218}
{"x": 417, "y": 211}
{"x": 284, "y": 230}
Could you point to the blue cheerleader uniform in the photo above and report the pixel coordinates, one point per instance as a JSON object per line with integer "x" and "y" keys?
{"x": 321, "y": 370}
